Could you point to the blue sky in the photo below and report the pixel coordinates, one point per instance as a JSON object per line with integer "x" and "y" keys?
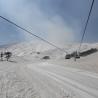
{"x": 59, "y": 21}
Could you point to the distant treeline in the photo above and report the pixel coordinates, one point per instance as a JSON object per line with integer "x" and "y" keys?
{"x": 85, "y": 53}
{"x": 88, "y": 52}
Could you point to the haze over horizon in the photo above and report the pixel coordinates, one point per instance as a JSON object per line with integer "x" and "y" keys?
{"x": 58, "y": 21}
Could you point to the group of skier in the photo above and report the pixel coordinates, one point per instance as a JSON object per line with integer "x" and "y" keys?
{"x": 6, "y": 55}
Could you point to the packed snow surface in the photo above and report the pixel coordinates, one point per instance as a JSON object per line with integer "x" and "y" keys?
{"x": 27, "y": 75}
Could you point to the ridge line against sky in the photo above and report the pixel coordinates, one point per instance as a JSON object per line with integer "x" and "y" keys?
{"x": 59, "y": 21}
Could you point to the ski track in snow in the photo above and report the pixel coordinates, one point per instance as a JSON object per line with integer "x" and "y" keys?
{"x": 71, "y": 79}
{"x": 47, "y": 80}
{"x": 31, "y": 77}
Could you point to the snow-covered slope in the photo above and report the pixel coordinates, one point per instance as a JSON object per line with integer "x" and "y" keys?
{"x": 26, "y": 48}
{"x": 34, "y": 49}
{"x": 27, "y": 75}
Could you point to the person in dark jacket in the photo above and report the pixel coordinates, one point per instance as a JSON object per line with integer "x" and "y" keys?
{"x": 8, "y": 55}
{"x": 1, "y": 56}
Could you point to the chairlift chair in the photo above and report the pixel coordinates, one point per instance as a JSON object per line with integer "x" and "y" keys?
{"x": 68, "y": 56}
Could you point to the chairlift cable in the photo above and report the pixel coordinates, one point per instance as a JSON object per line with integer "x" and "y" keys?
{"x": 33, "y": 34}
{"x": 88, "y": 18}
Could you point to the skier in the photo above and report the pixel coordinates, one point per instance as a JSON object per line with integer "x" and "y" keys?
{"x": 1, "y": 55}
{"x": 8, "y": 55}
